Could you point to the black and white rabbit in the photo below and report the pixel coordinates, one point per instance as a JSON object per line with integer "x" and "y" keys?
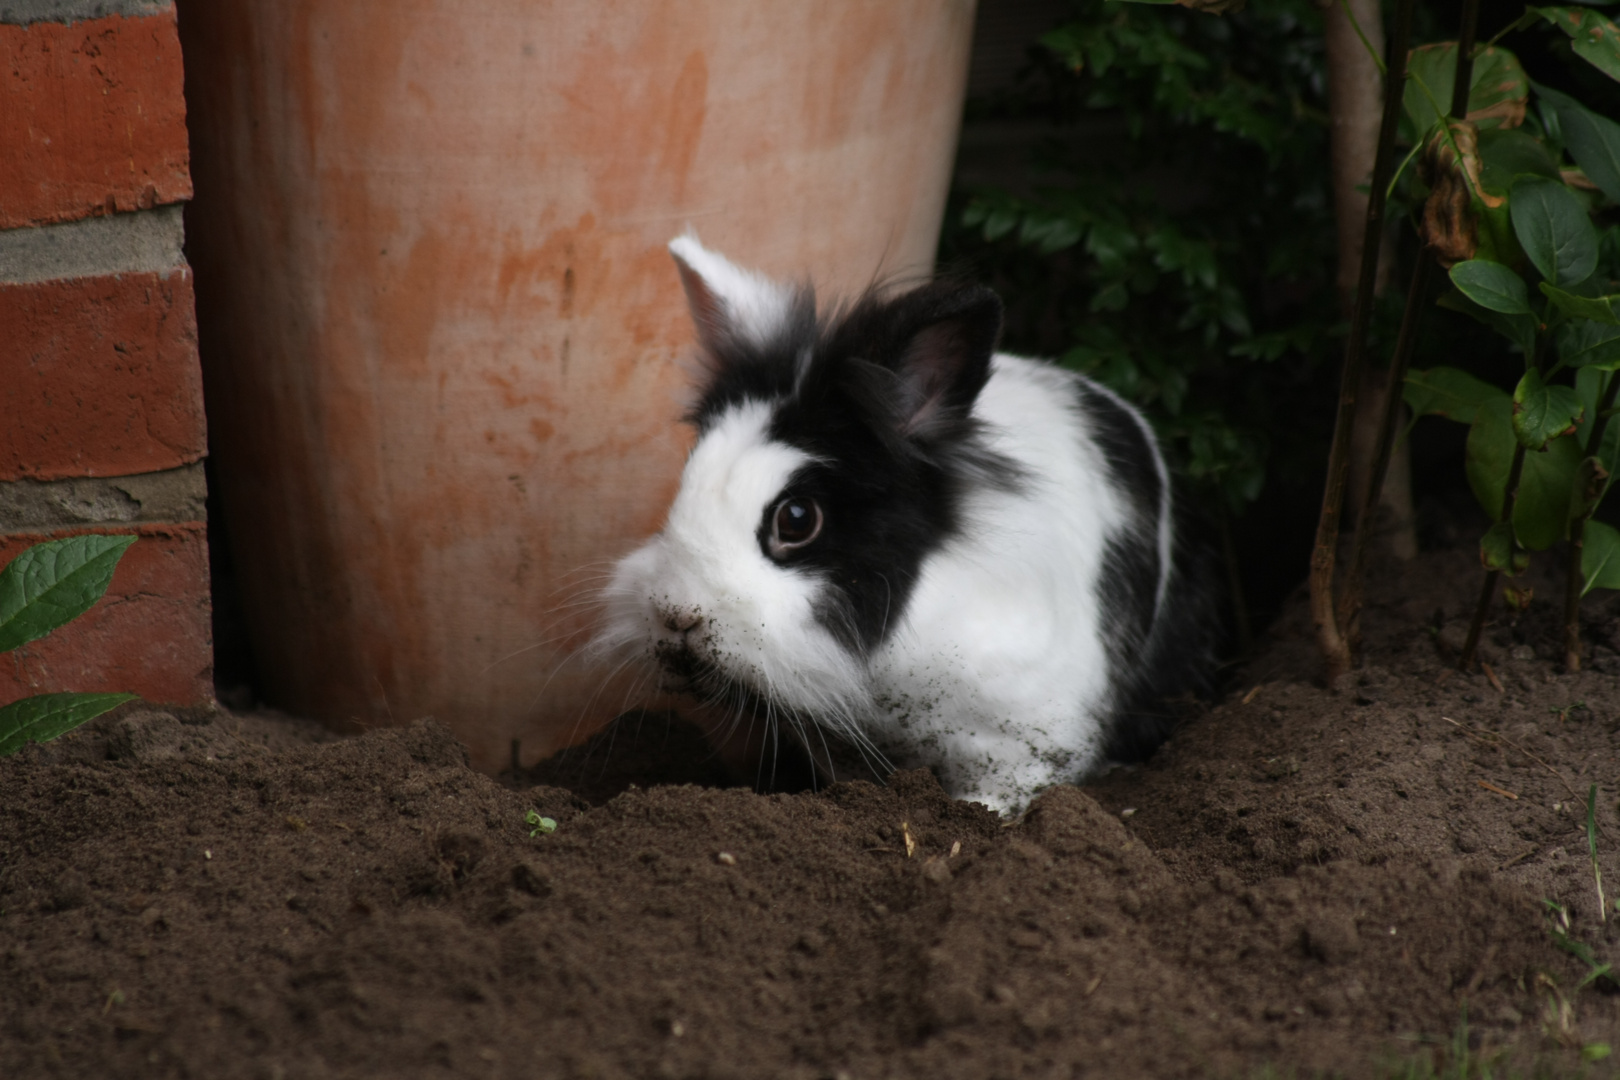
{"x": 890, "y": 537}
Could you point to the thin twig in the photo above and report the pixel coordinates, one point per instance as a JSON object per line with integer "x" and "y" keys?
{"x": 1464, "y": 81}
{"x": 1482, "y": 733}
{"x": 1573, "y": 580}
{"x": 1517, "y": 859}
{"x": 1355, "y": 24}
{"x": 1510, "y": 499}
{"x": 1330, "y": 632}
{"x": 1350, "y": 599}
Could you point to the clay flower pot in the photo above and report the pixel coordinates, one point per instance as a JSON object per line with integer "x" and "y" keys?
{"x": 440, "y": 327}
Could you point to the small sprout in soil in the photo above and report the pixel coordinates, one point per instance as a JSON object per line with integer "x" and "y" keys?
{"x": 1518, "y": 599}
{"x": 1558, "y": 916}
{"x": 726, "y": 858}
{"x": 911, "y": 843}
{"x": 540, "y": 824}
{"x": 1563, "y": 711}
{"x": 1595, "y": 1051}
{"x": 1591, "y": 847}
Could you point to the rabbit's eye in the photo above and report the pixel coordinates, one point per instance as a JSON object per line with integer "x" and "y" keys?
{"x": 797, "y": 522}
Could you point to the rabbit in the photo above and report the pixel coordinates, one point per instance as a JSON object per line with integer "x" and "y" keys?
{"x": 909, "y": 550}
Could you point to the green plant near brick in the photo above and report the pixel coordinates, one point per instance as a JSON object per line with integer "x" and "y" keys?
{"x": 50, "y": 584}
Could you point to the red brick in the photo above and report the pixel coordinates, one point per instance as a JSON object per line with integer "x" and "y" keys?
{"x": 150, "y": 635}
{"x": 99, "y": 376}
{"x": 92, "y": 119}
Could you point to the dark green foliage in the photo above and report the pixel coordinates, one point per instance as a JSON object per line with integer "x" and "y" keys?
{"x": 1551, "y": 293}
{"x": 1178, "y": 244}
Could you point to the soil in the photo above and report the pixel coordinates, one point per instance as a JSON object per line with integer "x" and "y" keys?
{"x": 1311, "y": 881}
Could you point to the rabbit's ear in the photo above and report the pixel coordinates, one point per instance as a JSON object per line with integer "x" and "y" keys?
{"x": 946, "y": 361}
{"x": 729, "y": 304}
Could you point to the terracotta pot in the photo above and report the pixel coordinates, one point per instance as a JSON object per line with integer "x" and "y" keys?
{"x": 440, "y": 327}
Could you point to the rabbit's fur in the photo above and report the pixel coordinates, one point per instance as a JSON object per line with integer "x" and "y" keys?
{"x": 890, "y": 537}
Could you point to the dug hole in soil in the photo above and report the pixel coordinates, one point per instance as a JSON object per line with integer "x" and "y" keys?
{"x": 1319, "y": 882}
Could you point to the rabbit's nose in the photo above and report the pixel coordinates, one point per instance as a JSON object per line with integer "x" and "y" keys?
{"x": 682, "y": 621}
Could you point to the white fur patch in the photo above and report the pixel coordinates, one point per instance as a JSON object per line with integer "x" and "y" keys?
{"x": 998, "y": 676}
{"x": 755, "y": 306}
{"x": 705, "y": 579}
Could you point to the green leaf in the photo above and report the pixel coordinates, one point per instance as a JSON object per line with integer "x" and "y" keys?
{"x": 1593, "y": 140}
{"x": 1600, "y": 557}
{"x": 1506, "y": 153}
{"x": 1050, "y": 233}
{"x": 1596, "y": 39}
{"x": 1589, "y": 383}
{"x": 1588, "y": 343}
{"x": 1492, "y": 286}
{"x": 1519, "y": 329}
{"x": 1599, "y": 309}
{"x": 46, "y": 716}
{"x": 1445, "y": 391}
{"x": 1540, "y": 511}
{"x": 1554, "y": 230}
{"x": 1543, "y": 411}
{"x": 53, "y": 582}
{"x": 1497, "y": 551}
{"x": 1495, "y": 235}
{"x": 1497, "y": 90}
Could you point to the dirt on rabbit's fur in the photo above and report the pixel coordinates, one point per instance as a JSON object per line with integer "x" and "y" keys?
{"x": 1318, "y": 882}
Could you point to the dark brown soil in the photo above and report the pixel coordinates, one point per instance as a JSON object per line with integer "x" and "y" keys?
{"x": 1318, "y": 882}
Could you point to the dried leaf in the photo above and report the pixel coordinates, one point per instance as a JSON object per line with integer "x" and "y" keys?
{"x": 1451, "y": 168}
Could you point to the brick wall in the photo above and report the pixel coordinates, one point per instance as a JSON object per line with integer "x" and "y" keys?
{"x": 101, "y": 408}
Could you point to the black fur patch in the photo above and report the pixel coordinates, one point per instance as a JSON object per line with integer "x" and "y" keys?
{"x": 1130, "y": 456}
{"x": 1156, "y": 659}
{"x": 1176, "y": 666}
{"x": 880, "y": 396}
{"x": 1128, "y": 585}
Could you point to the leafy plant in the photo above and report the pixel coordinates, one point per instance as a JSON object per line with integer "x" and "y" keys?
{"x": 1515, "y": 220}
{"x": 1147, "y": 277}
{"x": 46, "y": 586}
